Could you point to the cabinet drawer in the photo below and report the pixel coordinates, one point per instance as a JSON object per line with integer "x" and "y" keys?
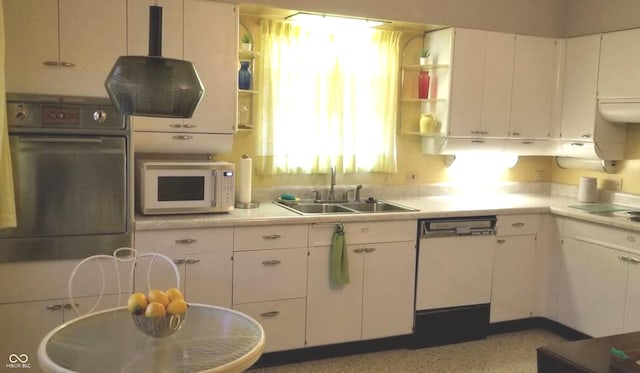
{"x": 283, "y": 322}
{"x": 365, "y": 232}
{"x": 510, "y": 225}
{"x": 269, "y": 275}
{"x": 178, "y": 242}
{"x": 602, "y": 235}
{"x": 270, "y": 237}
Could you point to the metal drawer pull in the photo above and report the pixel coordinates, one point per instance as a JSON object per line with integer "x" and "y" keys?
{"x": 586, "y": 136}
{"x": 271, "y": 236}
{"x": 477, "y": 141}
{"x": 175, "y": 125}
{"x": 515, "y": 133}
{"x": 526, "y": 142}
{"x": 502, "y": 241}
{"x": 369, "y": 250}
{"x": 50, "y": 63}
{"x": 68, "y": 306}
{"x": 185, "y": 241}
{"x": 271, "y": 262}
{"x": 67, "y": 64}
{"x": 182, "y": 137}
{"x": 192, "y": 261}
{"x": 577, "y": 144}
{"x": 179, "y": 261}
{"x": 189, "y": 125}
{"x": 631, "y": 239}
{"x": 359, "y": 251}
{"x": 270, "y": 314}
{"x": 629, "y": 259}
{"x": 54, "y": 307}
{"x": 517, "y": 225}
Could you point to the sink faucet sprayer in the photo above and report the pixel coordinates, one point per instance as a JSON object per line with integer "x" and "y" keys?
{"x": 332, "y": 192}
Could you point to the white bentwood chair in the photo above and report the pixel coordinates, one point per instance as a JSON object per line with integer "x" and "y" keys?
{"x": 122, "y": 257}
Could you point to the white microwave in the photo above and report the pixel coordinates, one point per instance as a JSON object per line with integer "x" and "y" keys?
{"x": 184, "y": 187}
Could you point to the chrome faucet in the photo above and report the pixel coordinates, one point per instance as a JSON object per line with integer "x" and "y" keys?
{"x": 358, "y": 188}
{"x": 332, "y": 192}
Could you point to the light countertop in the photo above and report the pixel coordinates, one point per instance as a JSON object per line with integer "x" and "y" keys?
{"x": 429, "y": 207}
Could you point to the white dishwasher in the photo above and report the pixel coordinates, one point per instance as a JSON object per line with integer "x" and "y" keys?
{"x": 453, "y": 279}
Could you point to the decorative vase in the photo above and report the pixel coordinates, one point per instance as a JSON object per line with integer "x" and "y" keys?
{"x": 245, "y": 47}
{"x": 423, "y": 85}
{"x": 244, "y": 76}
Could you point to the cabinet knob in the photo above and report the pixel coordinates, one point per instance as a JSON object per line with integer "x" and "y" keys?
{"x": 271, "y": 262}
{"x": 517, "y": 225}
{"x": 631, "y": 239}
{"x": 271, "y": 236}
{"x": 182, "y": 137}
{"x": 186, "y": 241}
{"x": 502, "y": 241}
{"x": 515, "y": 133}
{"x": 270, "y": 314}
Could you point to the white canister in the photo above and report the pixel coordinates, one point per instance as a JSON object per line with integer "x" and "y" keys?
{"x": 588, "y": 189}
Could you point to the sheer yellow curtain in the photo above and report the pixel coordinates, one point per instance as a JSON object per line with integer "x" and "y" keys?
{"x": 7, "y": 200}
{"x": 329, "y": 98}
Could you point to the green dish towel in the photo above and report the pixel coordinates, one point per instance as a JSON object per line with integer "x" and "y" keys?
{"x": 339, "y": 261}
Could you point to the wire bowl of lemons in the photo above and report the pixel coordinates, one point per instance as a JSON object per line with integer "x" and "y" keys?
{"x": 159, "y": 313}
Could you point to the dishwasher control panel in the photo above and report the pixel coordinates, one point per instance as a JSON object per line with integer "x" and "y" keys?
{"x": 461, "y": 226}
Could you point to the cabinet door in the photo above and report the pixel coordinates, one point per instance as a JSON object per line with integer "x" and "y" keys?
{"x": 534, "y": 83}
{"x": 208, "y": 278}
{"x": 619, "y": 61}
{"x": 512, "y": 289}
{"x": 31, "y": 36}
{"x": 580, "y": 88}
{"x": 138, "y": 45}
{"x": 211, "y": 43}
{"x": 334, "y": 315}
{"x": 632, "y": 306}
{"x": 93, "y": 34}
{"x": 389, "y": 276}
{"x": 592, "y": 290}
{"x": 283, "y": 322}
{"x": 482, "y": 80}
{"x": 24, "y": 325}
{"x": 467, "y": 82}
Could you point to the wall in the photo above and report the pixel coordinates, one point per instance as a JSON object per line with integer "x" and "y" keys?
{"x": 533, "y": 17}
{"x": 594, "y": 16}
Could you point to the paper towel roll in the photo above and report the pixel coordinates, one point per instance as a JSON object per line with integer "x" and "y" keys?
{"x": 588, "y": 189}
{"x": 245, "y": 179}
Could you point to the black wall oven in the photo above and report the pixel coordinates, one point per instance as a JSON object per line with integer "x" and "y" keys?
{"x": 70, "y": 159}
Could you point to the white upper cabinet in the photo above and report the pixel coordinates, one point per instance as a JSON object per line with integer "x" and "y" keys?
{"x": 481, "y": 83}
{"x": 580, "y": 88}
{"x": 63, "y": 47}
{"x": 619, "y": 60}
{"x": 206, "y": 34}
{"x": 534, "y": 87}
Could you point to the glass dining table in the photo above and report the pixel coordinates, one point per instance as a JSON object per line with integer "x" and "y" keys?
{"x": 211, "y": 339}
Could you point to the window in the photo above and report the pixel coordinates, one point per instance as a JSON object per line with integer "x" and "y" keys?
{"x": 329, "y": 98}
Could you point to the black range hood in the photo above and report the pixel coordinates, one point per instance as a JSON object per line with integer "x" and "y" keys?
{"x": 154, "y": 86}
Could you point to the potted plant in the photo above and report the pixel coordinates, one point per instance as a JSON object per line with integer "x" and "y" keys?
{"x": 245, "y": 42}
{"x": 425, "y": 56}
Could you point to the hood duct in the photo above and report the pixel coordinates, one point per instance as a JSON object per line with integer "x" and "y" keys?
{"x": 154, "y": 86}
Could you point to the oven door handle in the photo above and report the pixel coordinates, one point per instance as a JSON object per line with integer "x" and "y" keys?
{"x": 62, "y": 140}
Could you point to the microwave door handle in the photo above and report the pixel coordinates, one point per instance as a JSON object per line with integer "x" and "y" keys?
{"x": 215, "y": 188}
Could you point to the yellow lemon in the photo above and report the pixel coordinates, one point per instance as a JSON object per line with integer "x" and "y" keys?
{"x": 177, "y": 307}
{"x": 155, "y": 309}
{"x": 173, "y": 294}
{"x": 136, "y": 303}
{"x": 158, "y": 296}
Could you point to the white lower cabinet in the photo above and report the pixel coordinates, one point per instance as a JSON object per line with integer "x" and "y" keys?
{"x": 513, "y": 288}
{"x": 203, "y": 257}
{"x": 283, "y": 322}
{"x": 598, "y": 277}
{"x": 379, "y": 299}
{"x": 270, "y": 281}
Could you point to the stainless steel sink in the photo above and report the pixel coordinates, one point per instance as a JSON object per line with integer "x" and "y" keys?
{"x": 319, "y": 208}
{"x": 313, "y": 208}
{"x": 378, "y": 206}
